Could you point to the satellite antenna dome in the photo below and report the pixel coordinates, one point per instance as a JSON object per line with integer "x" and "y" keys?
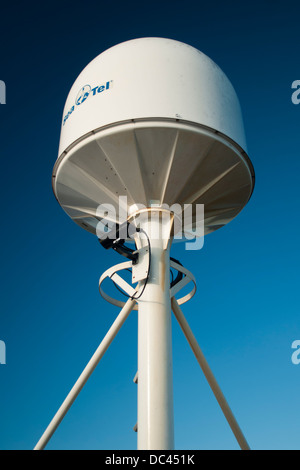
{"x": 152, "y": 119}
{"x": 149, "y": 124}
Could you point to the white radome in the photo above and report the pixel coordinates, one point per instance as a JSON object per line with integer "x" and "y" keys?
{"x": 151, "y": 122}
{"x": 154, "y": 120}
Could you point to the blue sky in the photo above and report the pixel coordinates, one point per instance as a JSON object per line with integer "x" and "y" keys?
{"x": 246, "y": 311}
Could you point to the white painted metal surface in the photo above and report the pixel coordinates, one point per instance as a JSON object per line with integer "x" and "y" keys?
{"x": 86, "y": 373}
{"x": 155, "y": 376}
{"x": 111, "y": 273}
{"x": 152, "y": 119}
{"x": 151, "y": 78}
{"x": 210, "y": 377}
{"x": 155, "y": 425}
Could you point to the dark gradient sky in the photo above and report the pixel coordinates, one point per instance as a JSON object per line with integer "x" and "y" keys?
{"x": 246, "y": 311}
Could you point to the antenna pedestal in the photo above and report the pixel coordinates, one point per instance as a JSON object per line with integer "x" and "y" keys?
{"x": 155, "y": 377}
{"x": 134, "y": 141}
{"x": 155, "y": 382}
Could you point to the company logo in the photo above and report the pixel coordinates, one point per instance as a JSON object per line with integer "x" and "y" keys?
{"x": 84, "y": 93}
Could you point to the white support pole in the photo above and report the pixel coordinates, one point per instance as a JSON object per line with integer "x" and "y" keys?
{"x": 155, "y": 377}
{"x": 90, "y": 367}
{"x": 209, "y": 376}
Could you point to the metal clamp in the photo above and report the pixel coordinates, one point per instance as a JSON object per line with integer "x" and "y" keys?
{"x": 112, "y": 274}
{"x": 131, "y": 291}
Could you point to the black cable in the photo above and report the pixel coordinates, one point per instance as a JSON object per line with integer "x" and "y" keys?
{"x": 118, "y": 246}
{"x": 179, "y": 274}
{"x": 120, "y": 290}
{"x": 117, "y": 287}
{"x": 172, "y": 277}
{"x": 149, "y": 264}
{"x": 172, "y": 283}
{"x": 132, "y": 297}
{"x": 124, "y": 250}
